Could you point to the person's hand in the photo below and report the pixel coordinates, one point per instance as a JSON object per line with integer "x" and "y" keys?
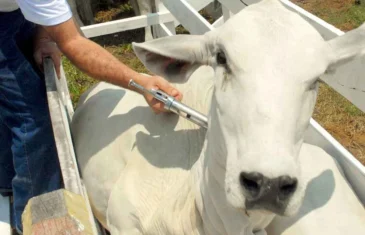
{"x": 46, "y": 47}
{"x": 158, "y": 83}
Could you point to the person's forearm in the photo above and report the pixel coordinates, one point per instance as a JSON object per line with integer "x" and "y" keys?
{"x": 90, "y": 57}
{"x": 41, "y": 34}
{"x": 97, "y": 62}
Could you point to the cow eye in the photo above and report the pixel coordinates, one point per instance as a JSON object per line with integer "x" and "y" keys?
{"x": 221, "y": 58}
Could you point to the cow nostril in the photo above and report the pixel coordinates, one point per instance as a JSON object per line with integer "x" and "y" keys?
{"x": 251, "y": 182}
{"x": 287, "y": 186}
{"x": 287, "y": 189}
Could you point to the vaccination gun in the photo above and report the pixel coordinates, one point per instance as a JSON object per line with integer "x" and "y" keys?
{"x": 173, "y": 105}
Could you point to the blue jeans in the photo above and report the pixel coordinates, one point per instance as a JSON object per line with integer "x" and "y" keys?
{"x": 28, "y": 159}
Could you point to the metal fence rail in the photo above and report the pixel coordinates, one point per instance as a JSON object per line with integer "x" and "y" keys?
{"x": 61, "y": 112}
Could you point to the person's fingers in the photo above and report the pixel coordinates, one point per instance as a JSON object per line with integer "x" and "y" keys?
{"x": 157, "y": 106}
{"x": 165, "y": 86}
{"x": 174, "y": 93}
{"x": 158, "y": 83}
{"x": 179, "y": 96}
{"x": 57, "y": 63}
{"x": 38, "y": 58}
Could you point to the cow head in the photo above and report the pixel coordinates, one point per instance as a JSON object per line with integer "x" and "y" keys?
{"x": 267, "y": 61}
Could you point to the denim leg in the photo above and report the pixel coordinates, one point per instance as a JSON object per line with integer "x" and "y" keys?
{"x": 7, "y": 172}
{"x": 24, "y": 110}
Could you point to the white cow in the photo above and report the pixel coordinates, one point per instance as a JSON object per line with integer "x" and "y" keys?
{"x": 256, "y": 77}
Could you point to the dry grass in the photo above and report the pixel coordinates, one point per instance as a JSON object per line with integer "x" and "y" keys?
{"x": 342, "y": 120}
{"x": 123, "y": 10}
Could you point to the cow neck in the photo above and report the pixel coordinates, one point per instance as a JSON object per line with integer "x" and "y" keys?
{"x": 209, "y": 179}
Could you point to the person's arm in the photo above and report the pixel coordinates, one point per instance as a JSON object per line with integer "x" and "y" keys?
{"x": 100, "y": 64}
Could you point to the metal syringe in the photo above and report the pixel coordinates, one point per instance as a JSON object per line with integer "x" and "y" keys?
{"x": 173, "y": 105}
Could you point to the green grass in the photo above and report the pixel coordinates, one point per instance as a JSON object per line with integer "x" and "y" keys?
{"x": 352, "y": 17}
{"x": 344, "y": 14}
{"x": 353, "y": 110}
{"x": 356, "y": 14}
{"x": 78, "y": 82}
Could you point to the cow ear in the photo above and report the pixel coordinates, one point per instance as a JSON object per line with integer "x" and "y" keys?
{"x": 347, "y": 47}
{"x": 174, "y": 57}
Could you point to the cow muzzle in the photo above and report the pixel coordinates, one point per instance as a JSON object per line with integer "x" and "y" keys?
{"x": 262, "y": 193}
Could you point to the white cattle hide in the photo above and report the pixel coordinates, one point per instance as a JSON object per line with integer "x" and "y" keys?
{"x": 330, "y": 206}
